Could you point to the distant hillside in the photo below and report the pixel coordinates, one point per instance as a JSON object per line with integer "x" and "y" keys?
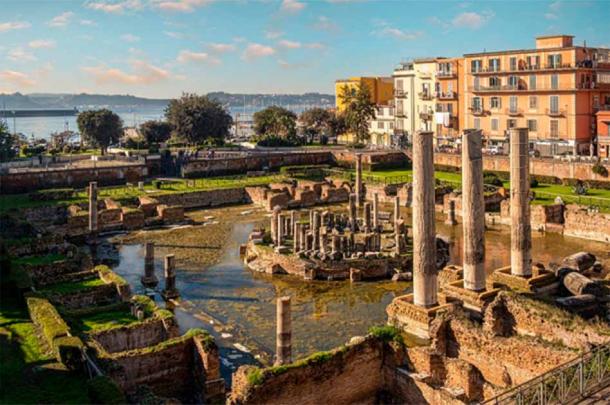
{"x": 83, "y": 101}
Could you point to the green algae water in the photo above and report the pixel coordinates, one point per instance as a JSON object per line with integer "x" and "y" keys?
{"x": 238, "y": 306}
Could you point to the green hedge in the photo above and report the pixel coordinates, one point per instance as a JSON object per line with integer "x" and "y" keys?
{"x": 103, "y": 390}
{"x": 44, "y": 314}
{"x": 301, "y": 168}
{"x": 52, "y": 194}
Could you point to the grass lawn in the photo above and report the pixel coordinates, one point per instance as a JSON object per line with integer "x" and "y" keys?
{"x": 124, "y": 193}
{"x": 38, "y": 260}
{"x": 29, "y": 373}
{"x": 105, "y": 320}
{"x": 70, "y": 287}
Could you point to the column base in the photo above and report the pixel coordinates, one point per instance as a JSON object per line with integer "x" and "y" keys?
{"x": 541, "y": 281}
{"x": 149, "y": 282}
{"x": 475, "y": 301}
{"x": 413, "y": 319}
{"x": 170, "y": 294}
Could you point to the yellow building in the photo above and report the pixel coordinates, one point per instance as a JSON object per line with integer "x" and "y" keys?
{"x": 381, "y": 89}
{"x": 554, "y": 89}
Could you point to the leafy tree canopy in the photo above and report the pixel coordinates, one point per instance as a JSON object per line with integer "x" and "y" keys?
{"x": 198, "y": 119}
{"x": 316, "y": 121}
{"x": 7, "y": 143}
{"x": 275, "y": 120}
{"x": 359, "y": 110}
{"x": 156, "y": 131}
{"x": 100, "y": 128}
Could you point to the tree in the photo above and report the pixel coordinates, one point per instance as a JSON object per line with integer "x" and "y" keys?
{"x": 276, "y": 121}
{"x": 100, "y": 128}
{"x": 7, "y": 143}
{"x": 337, "y": 125}
{"x": 316, "y": 122}
{"x": 198, "y": 119}
{"x": 359, "y": 110}
{"x": 155, "y": 131}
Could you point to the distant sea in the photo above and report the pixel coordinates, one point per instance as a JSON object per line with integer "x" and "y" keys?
{"x": 43, "y": 127}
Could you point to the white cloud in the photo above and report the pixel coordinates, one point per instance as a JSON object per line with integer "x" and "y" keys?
{"x": 143, "y": 73}
{"x": 42, "y": 44}
{"x": 550, "y": 16}
{"x": 292, "y": 6}
{"x": 87, "y": 22}
{"x": 221, "y": 48}
{"x": 255, "y": 51}
{"x": 555, "y": 6}
{"x": 315, "y": 45}
{"x": 287, "y": 65}
{"x": 471, "y": 20}
{"x": 115, "y": 7}
{"x": 289, "y": 44}
{"x": 186, "y": 56}
{"x": 17, "y": 79}
{"x": 273, "y": 34}
{"x": 173, "y": 34}
{"x": 397, "y": 33}
{"x": 323, "y": 23}
{"x": 61, "y": 20}
{"x": 14, "y": 25}
{"x": 20, "y": 55}
{"x": 182, "y": 6}
{"x": 130, "y": 38}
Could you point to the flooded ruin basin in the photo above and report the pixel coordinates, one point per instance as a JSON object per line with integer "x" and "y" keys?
{"x": 219, "y": 293}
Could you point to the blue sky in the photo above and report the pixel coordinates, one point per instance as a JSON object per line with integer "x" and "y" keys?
{"x": 160, "y": 48}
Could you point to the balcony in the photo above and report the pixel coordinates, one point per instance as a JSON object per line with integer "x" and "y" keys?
{"x": 446, "y": 75}
{"x": 530, "y": 68}
{"x": 425, "y": 95}
{"x": 513, "y": 112}
{"x": 400, "y": 114}
{"x": 400, "y": 93}
{"x": 477, "y": 111}
{"x": 450, "y": 95}
{"x": 555, "y": 112}
{"x": 425, "y": 116}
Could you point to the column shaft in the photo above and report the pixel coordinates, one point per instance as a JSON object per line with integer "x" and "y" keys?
{"x": 284, "y": 332}
{"x": 521, "y": 229}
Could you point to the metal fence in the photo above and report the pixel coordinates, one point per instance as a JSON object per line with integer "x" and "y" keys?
{"x": 568, "y": 383}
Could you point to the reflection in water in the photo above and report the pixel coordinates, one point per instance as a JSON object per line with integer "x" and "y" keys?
{"x": 325, "y": 314}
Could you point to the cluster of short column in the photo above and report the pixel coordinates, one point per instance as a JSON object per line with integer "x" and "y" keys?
{"x": 150, "y": 280}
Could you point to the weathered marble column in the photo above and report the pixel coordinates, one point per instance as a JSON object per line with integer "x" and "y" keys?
{"x": 335, "y": 247}
{"x": 170, "y": 275}
{"x": 293, "y": 222}
{"x": 274, "y": 224}
{"x": 425, "y": 285}
{"x": 473, "y": 210}
{"x": 352, "y": 212}
{"x": 375, "y": 211}
{"x": 284, "y": 332}
{"x": 149, "y": 279}
{"x": 520, "y": 229}
{"x": 93, "y": 207}
{"x": 396, "y": 210}
{"x": 451, "y": 219}
{"x": 316, "y": 230}
{"x": 280, "y": 230}
{"x": 296, "y": 238}
{"x": 367, "y": 217}
{"x": 359, "y": 196}
{"x": 303, "y": 237}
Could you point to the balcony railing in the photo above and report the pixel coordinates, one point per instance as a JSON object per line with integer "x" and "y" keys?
{"x": 555, "y": 112}
{"x": 477, "y": 110}
{"x": 400, "y": 114}
{"x": 513, "y": 111}
{"x": 400, "y": 93}
{"x": 530, "y": 68}
{"x": 425, "y": 95}
{"x": 445, "y": 75}
{"x": 450, "y": 95}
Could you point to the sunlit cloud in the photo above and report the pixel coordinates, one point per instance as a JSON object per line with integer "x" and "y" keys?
{"x": 472, "y": 20}
{"x": 323, "y": 23}
{"x": 14, "y": 25}
{"x": 16, "y": 79}
{"x": 173, "y": 34}
{"x": 130, "y": 38}
{"x": 87, "y": 22}
{"x": 20, "y": 55}
{"x": 183, "y": 6}
{"x": 187, "y": 56}
{"x": 42, "y": 44}
{"x": 143, "y": 73}
{"x": 115, "y": 7}
{"x": 292, "y": 6}
{"x": 61, "y": 20}
{"x": 289, "y": 44}
{"x": 221, "y": 48}
{"x": 273, "y": 34}
{"x": 255, "y": 51}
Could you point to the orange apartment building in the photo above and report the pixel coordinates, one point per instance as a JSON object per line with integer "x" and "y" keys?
{"x": 603, "y": 133}
{"x": 555, "y": 90}
{"x": 449, "y": 116}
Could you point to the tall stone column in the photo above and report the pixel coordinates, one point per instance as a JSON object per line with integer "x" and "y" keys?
{"x": 274, "y": 224}
{"x": 303, "y": 237}
{"x": 93, "y": 228}
{"x": 280, "y": 230}
{"x": 367, "y": 217}
{"x": 316, "y": 230}
{"x": 473, "y": 210}
{"x": 425, "y": 285}
{"x": 293, "y": 222}
{"x": 451, "y": 220}
{"x": 359, "y": 196}
{"x": 375, "y": 211}
{"x": 149, "y": 279}
{"x": 396, "y": 210}
{"x": 170, "y": 277}
{"x": 520, "y": 229}
{"x": 284, "y": 332}
{"x": 296, "y": 238}
{"x": 352, "y": 212}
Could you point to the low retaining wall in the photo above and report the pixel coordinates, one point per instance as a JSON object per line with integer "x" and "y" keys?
{"x": 207, "y": 198}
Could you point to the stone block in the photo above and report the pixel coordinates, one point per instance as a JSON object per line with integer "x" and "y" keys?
{"x": 170, "y": 215}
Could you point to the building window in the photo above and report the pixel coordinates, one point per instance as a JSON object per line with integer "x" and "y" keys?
{"x": 513, "y": 104}
{"x": 450, "y": 108}
{"x": 533, "y": 62}
{"x": 532, "y": 82}
{"x": 391, "y": 124}
{"x": 495, "y": 102}
{"x": 380, "y": 125}
{"x": 533, "y": 102}
{"x": 494, "y": 81}
{"x": 494, "y": 65}
{"x": 532, "y": 125}
{"x": 477, "y": 84}
{"x": 494, "y": 124}
{"x": 554, "y": 104}
{"x": 554, "y": 129}
{"x": 399, "y": 84}
{"x": 554, "y": 61}
{"x": 596, "y": 101}
{"x": 477, "y": 103}
{"x": 554, "y": 82}
{"x": 475, "y": 65}
{"x": 513, "y": 63}
{"x": 511, "y": 123}
{"x": 477, "y": 123}
{"x": 513, "y": 81}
